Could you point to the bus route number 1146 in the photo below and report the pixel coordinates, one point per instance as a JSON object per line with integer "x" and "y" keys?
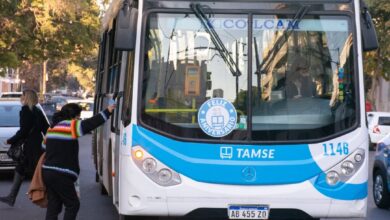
{"x": 336, "y": 149}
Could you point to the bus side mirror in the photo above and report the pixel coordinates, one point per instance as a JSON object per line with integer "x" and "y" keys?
{"x": 126, "y": 28}
{"x": 369, "y": 37}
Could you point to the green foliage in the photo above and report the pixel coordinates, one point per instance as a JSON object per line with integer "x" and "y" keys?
{"x": 65, "y": 29}
{"x": 378, "y": 63}
{"x": 8, "y": 59}
{"x": 34, "y": 31}
{"x": 84, "y": 75}
{"x": 10, "y": 34}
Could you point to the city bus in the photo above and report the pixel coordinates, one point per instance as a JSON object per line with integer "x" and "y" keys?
{"x": 248, "y": 109}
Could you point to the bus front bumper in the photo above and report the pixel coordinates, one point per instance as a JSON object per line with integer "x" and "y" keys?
{"x": 140, "y": 196}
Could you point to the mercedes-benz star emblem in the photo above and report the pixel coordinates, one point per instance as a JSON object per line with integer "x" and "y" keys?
{"x": 249, "y": 174}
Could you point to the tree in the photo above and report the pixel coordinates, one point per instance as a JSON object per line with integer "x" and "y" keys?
{"x": 377, "y": 63}
{"x": 64, "y": 30}
{"x": 84, "y": 73}
{"x": 15, "y": 27}
{"x": 47, "y": 31}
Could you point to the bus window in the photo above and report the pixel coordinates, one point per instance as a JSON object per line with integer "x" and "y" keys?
{"x": 128, "y": 94}
{"x": 100, "y": 72}
{"x": 184, "y": 68}
{"x": 114, "y": 65}
{"x": 305, "y": 89}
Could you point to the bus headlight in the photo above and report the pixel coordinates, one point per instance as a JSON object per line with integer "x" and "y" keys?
{"x": 358, "y": 157}
{"x": 149, "y": 165}
{"x": 164, "y": 175}
{"x": 332, "y": 178}
{"x": 139, "y": 154}
{"x": 154, "y": 169}
{"x": 347, "y": 168}
{"x": 343, "y": 171}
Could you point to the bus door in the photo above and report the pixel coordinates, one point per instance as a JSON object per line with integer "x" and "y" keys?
{"x": 110, "y": 85}
{"x": 97, "y": 102}
{"x": 99, "y": 106}
{"x": 101, "y": 140}
{"x": 116, "y": 126}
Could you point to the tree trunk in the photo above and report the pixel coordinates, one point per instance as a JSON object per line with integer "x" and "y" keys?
{"x": 43, "y": 79}
{"x": 373, "y": 94}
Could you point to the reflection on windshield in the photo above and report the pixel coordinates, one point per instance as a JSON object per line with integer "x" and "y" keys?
{"x": 184, "y": 68}
{"x": 302, "y": 82}
{"x": 308, "y": 83}
{"x": 222, "y": 50}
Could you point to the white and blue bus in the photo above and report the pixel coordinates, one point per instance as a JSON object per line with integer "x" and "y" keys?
{"x": 248, "y": 109}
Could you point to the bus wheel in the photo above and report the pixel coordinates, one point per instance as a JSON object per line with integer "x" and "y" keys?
{"x": 380, "y": 190}
{"x": 371, "y": 146}
{"x": 97, "y": 178}
{"x": 128, "y": 217}
{"x": 124, "y": 217}
{"x": 103, "y": 190}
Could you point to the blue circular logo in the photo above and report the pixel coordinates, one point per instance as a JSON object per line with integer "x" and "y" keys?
{"x": 217, "y": 117}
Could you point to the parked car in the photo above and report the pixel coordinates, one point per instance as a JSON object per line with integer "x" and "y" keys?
{"x": 378, "y": 126}
{"x": 10, "y": 94}
{"x": 381, "y": 174}
{"x": 49, "y": 108}
{"x": 86, "y": 105}
{"x": 59, "y": 101}
{"x": 9, "y": 124}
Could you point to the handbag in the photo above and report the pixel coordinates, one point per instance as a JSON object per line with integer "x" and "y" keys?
{"x": 15, "y": 152}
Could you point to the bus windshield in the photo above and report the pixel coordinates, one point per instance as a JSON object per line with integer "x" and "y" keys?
{"x": 287, "y": 79}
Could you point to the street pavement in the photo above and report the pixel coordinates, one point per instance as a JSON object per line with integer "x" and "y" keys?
{"x": 97, "y": 207}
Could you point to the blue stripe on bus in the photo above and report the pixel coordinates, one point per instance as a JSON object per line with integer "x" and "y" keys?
{"x": 202, "y": 162}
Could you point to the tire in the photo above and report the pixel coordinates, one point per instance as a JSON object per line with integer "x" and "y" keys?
{"x": 371, "y": 146}
{"x": 380, "y": 190}
{"x": 97, "y": 178}
{"x": 124, "y": 217}
{"x": 127, "y": 217}
{"x": 103, "y": 190}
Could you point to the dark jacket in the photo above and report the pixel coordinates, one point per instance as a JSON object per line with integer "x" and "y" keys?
{"x": 32, "y": 123}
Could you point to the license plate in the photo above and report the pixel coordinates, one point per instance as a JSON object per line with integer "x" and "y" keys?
{"x": 248, "y": 211}
{"x": 4, "y": 157}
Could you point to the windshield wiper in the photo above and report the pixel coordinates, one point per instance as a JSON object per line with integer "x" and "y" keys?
{"x": 233, "y": 67}
{"x": 280, "y": 42}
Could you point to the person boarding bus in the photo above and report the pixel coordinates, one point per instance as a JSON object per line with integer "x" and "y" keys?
{"x": 61, "y": 167}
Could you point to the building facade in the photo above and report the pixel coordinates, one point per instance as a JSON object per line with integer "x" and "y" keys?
{"x": 10, "y": 82}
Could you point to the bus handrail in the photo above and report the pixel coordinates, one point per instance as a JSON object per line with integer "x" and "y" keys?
{"x": 179, "y": 110}
{"x": 153, "y": 110}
